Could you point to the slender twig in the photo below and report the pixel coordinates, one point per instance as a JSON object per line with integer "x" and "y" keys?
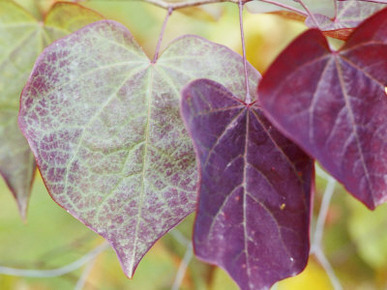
{"x": 298, "y": 11}
{"x": 328, "y": 269}
{"x": 156, "y": 56}
{"x": 321, "y": 173}
{"x": 178, "y": 236}
{"x": 247, "y": 85}
{"x": 82, "y": 280}
{"x": 336, "y": 9}
{"x": 186, "y": 259}
{"x": 310, "y": 13}
{"x": 183, "y": 267}
{"x": 181, "y": 5}
{"x": 328, "y": 193}
{"x": 316, "y": 248}
{"x": 58, "y": 271}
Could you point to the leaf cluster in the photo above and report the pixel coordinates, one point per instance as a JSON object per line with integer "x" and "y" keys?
{"x": 131, "y": 145}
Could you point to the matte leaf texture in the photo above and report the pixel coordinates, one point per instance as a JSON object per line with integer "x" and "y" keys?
{"x": 103, "y": 122}
{"x": 22, "y": 38}
{"x": 334, "y": 105}
{"x": 350, "y": 14}
{"x": 255, "y": 188}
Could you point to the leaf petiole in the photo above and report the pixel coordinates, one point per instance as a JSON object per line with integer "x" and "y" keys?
{"x": 156, "y": 56}
{"x": 247, "y": 86}
{"x": 310, "y": 13}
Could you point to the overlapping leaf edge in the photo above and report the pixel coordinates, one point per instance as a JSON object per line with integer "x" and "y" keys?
{"x": 315, "y": 31}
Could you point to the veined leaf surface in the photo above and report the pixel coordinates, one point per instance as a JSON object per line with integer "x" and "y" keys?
{"x": 103, "y": 122}
{"x": 255, "y": 189}
{"x": 22, "y": 38}
{"x": 349, "y": 15}
{"x": 334, "y": 104}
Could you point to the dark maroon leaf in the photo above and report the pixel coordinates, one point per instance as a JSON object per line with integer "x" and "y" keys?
{"x": 334, "y": 104}
{"x": 254, "y": 196}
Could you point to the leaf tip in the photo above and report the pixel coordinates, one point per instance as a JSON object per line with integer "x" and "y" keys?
{"x": 22, "y": 204}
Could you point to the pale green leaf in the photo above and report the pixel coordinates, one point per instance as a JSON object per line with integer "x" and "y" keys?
{"x": 22, "y": 38}
{"x": 103, "y": 122}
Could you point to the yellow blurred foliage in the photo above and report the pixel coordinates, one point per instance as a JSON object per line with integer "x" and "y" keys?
{"x": 313, "y": 277}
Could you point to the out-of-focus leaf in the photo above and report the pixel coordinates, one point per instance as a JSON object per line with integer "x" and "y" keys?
{"x": 288, "y": 15}
{"x": 313, "y": 277}
{"x": 205, "y": 12}
{"x": 368, "y": 232}
{"x": 324, "y": 7}
{"x": 349, "y": 15}
{"x": 255, "y": 187}
{"x": 22, "y": 38}
{"x": 39, "y": 8}
{"x": 103, "y": 122}
{"x": 221, "y": 280}
{"x": 334, "y": 105}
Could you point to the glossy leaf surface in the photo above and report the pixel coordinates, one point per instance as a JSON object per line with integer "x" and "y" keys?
{"x": 104, "y": 125}
{"x": 334, "y": 105}
{"x": 255, "y": 185}
{"x": 22, "y": 38}
{"x": 349, "y": 15}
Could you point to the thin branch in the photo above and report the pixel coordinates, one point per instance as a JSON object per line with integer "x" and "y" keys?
{"x": 247, "y": 85}
{"x": 178, "y": 236}
{"x": 156, "y": 56}
{"x": 336, "y": 9}
{"x": 328, "y": 269}
{"x": 310, "y": 13}
{"x": 328, "y": 193}
{"x": 181, "y": 5}
{"x": 316, "y": 248}
{"x": 86, "y": 272}
{"x": 321, "y": 173}
{"x": 183, "y": 267}
{"x": 58, "y": 271}
{"x": 298, "y": 11}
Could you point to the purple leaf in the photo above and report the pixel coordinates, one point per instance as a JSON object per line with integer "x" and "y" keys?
{"x": 349, "y": 15}
{"x": 334, "y": 105}
{"x": 104, "y": 125}
{"x": 255, "y": 189}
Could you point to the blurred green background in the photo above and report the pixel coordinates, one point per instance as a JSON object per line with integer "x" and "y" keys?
{"x": 355, "y": 239}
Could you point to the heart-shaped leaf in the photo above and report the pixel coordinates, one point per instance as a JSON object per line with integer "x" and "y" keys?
{"x": 22, "y": 38}
{"x": 255, "y": 189}
{"x": 103, "y": 122}
{"x": 334, "y": 104}
{"x": 349, "y": 15}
